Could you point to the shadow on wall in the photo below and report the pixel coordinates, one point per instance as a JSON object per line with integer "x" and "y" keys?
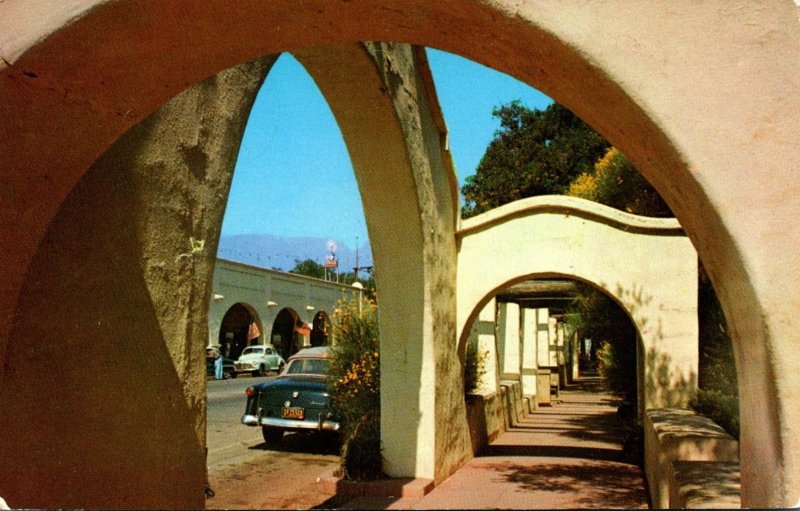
{"x": 660, "y": 381}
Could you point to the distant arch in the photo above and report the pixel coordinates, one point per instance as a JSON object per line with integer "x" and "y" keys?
{"x": 644, "y": 374}
{"x": 609, "y": 249}
{"x": 241, "y": 327}
{"x": 284, "y": 334}
{"x": 321, "y": 329}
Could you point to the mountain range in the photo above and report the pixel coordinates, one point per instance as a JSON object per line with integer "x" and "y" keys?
{"x": 283, "y": 253}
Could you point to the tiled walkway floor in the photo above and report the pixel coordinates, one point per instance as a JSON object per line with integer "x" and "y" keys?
{"x": 565, "y": 456}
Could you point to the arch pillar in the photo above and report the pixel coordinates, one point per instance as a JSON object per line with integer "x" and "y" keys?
{"x": 125, "y": 303}
{"x": 382, "y": 96}
{"x": 530, "y": 364}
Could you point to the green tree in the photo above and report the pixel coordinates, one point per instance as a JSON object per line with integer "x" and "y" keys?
{"x": 309, "y": 268}
{"x": 535, "y": 152}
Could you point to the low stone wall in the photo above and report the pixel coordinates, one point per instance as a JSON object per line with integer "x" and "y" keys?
{"x": 486, "y": 417}
{"x": 674, "y": 436}
{"x": 704, "y": 485}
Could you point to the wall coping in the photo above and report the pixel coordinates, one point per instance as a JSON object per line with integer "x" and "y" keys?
{"x": 571, "y": 206}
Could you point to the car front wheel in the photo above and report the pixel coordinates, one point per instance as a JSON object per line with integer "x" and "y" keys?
{"x": 272, "y": 436}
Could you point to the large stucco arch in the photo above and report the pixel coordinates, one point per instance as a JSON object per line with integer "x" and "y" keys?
{"x": 383, "y": 106}
{"x": 622, "y": 254}
{"x": 702, "y": 98}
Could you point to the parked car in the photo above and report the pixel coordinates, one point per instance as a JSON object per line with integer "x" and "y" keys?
{"x": 259, "y": 359}
{"x": 297, "y": 400}
{"x": 228, "y": 368}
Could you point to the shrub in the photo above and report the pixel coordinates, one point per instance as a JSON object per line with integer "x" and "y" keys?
{"x": 718, "y": 397}
{"x": 355, "y": 389}
{"x": 618, "y": 367}
{"x": 474, "y": 367}
{"x": 596, "y": 316}
{"x": 720, "y": 407}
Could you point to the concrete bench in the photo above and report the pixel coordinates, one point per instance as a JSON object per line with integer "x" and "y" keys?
{"x": 705, "y": 485}
{"x": 680, "y": 435}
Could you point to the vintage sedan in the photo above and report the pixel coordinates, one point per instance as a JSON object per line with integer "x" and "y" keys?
{"x": 259, "y": 359}
{"x": 297, "y": 400}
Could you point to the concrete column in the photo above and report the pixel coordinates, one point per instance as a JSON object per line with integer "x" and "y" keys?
{"x": 529, "y": 363}
{"x": 561, "y": 352}
{"x": 542, "y": 338}
{"x": 383, "y": 99}
{"x": 552, "y": 351}
{"x": 542, "y": 357}
{"x": 490, "y": 381}
{"x": 574, "y": 343}
{"x": 509, "y": 339}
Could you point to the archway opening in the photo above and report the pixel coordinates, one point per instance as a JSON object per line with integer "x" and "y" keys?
{"x": 239, "y": 330}
{"x": 284, "y": 335}
{"x": 557, "y": 346}
{"x": 321, "y": 329}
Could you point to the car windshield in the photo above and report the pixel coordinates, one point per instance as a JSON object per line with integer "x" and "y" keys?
{"x": 318, "y": 366}
{"x": 253, "y": 351}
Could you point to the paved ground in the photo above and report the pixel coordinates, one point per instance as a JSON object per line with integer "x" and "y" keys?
{"x": 246, "y": 474}
{"x": 566, "y": 456}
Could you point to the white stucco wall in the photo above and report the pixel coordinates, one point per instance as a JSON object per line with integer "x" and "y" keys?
{"x": 647, "y": 265}
{"x": 268, "y": 292}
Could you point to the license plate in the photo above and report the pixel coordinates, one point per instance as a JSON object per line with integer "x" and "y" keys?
{"x": 294, "y": 413}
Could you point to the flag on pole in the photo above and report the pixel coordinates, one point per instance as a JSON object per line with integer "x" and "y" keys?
{"x": 253, "y": 332}
{"x": 303, "y": 329}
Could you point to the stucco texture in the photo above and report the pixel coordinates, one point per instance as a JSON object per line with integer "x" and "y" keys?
{"x": 701, "y": 96}
{"x": 646, "y": 265}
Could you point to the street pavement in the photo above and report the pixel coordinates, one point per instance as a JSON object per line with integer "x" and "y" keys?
{"x": 246, "y": 474}
{"x": 567, "y": 456}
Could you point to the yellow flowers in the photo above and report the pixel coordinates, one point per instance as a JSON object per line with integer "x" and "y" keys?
{"x": 363, "y": 376}
{"x": 355, "y": 388}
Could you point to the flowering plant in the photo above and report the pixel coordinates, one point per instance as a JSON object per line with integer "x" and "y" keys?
{"x": 355, "y": 388}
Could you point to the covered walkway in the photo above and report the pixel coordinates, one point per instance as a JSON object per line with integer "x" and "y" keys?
{"x": 566, "y": 456}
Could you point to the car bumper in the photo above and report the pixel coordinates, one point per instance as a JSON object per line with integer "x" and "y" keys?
{"x": 246, "y": 367}
{"x": 275, "y": 422}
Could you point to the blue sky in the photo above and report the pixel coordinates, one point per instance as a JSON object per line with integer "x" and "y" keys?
{"x": 294, "y": 177}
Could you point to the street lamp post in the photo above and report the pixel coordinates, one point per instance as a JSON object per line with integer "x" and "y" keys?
{"x": 360, "y": 288}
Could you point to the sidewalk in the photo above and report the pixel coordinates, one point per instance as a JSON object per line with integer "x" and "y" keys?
{"x": 564, "y": 456}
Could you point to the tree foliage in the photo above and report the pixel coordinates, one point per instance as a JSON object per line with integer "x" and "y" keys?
{"x": 596, "y": 316}
{"x": 309, "y": 268}
{"x": 615, "y": 182}
{"x": 535, "y": 152}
